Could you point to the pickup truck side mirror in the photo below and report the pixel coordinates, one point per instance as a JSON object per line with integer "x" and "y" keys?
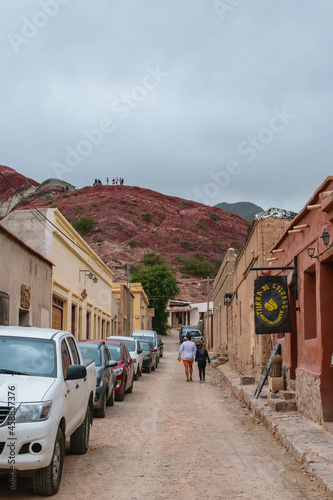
{"x": 111, "y": 364}
{"x": 75, "y": 372}
{"x": 139, "y": 351}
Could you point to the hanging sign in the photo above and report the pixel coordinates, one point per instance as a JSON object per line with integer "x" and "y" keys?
{"x": 150, "y": 312}
{"x": 271, "y": 305}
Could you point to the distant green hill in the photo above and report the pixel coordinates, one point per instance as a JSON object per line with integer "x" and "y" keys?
{"x": 245, "y": 209}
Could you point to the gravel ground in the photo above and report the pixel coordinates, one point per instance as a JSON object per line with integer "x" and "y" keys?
{"x": 171, "y": 439}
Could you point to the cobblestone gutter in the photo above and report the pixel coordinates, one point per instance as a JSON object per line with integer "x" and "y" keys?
{"x": 309, "y": 442}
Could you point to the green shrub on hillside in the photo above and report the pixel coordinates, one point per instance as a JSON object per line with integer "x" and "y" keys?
{"x": 48, "y": 199}
{"x": 132, "y": 243}
{"x": 78, "y": 209}
{"x": 185, "y": 243}
{"x": 214, "y": 216}
{"x": 201, "y": 224}
{"x": 152, "y": 259}
{"x": 83, "y": 225}
{"x": 198, "y": 266}
{"x": 147, "y": 217}
{"x": 217, "y": 243}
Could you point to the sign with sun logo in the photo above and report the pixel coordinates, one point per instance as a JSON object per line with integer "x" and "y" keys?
{"x": 271, "y": 305}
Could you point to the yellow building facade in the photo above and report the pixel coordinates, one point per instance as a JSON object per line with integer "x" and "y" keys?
{"x": 82, "y": 300}
{"x": 141, "y": 303}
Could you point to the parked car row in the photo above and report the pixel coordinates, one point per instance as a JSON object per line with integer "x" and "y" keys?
{"x": 119, "y": 361}
{"x": 38, "y": 367}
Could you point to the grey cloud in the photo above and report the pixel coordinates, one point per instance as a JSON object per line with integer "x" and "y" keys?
{"x": 225, "y": 78}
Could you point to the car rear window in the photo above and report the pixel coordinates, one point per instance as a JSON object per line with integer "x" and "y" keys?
{"x": 195, "y": 334}
{"x": 130, "y": 344}
{"x": 145, "y": 346}
{"x": 115, "y": 352}
{"x": 91, "y": 353}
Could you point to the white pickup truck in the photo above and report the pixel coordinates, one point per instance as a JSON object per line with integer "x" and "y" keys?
{"x": 46, "y": 396}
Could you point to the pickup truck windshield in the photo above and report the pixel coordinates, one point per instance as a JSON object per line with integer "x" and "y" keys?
{"x": 27, "y": 356}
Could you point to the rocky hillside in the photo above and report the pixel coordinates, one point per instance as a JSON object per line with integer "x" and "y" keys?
{"x": 9, "y": 198}
{"x": 123, "y": 222}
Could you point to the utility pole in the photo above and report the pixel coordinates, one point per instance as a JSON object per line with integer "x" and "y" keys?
{"x": 128, "y": 329}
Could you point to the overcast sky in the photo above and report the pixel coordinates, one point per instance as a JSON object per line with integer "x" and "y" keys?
{"x": 213, "y": 101}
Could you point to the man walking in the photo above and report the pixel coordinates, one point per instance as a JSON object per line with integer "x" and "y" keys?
{"x": 188, "y": 349}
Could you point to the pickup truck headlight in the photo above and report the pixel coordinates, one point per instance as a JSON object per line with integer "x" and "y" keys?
{"x": 118, "y": 371}
{"x": 33, "y": 412}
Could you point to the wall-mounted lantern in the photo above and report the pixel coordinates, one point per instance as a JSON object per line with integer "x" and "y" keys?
{"x": 325, "y": 238}
{"x": 311, "y": 253}
{"x": 228, "y": 299}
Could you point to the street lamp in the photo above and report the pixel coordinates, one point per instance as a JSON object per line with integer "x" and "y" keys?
{"x": 325, "y": 238}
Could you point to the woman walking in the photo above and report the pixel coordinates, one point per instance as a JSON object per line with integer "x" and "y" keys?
{"x": 202, "y": 357}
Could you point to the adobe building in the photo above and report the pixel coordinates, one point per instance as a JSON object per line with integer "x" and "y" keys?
{"x": 222, "y": 295}
{"x": 141, "y": 319}
{"x": 234, "y": 329}
{"x": 81, "y": 284}
{"x": 25, "y": 284}
{"x": 125, "y": 303}
{"x": 307, "y": 351}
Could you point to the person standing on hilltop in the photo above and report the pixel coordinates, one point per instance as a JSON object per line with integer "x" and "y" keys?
{"x": 107, "y": 181}
{"x": 188, "y": 349}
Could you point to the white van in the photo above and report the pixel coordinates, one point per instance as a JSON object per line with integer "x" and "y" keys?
{"x": 145, "y": 335}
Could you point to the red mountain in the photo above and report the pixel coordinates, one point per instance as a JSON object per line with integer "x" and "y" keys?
{"x": 131, "y": 220}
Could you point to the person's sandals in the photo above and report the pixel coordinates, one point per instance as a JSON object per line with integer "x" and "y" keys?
{"x": 191, "y": 379}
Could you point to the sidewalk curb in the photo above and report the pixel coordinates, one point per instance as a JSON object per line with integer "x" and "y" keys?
{"x": 310, "y": 444}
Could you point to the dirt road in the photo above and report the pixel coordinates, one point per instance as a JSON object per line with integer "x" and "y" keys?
{"x": 171, "y": 440}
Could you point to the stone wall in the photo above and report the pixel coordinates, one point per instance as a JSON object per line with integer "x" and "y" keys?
{"x": 308, "y": 395}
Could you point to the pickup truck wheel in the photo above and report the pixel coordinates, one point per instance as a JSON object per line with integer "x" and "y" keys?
{"x": 110, "y": 401}
{"x": 80, "y": 437}
{"x": 100, "y": 413}
{"x": 136, "y": 375}
{"x": 121, "y": 396}
{"x": 130, "y": 389}
{"x": 140, "y": 372}
{"x": 47, "y": 480}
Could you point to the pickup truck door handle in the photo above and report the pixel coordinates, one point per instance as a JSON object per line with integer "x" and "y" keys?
{"x": 76, "y": 386}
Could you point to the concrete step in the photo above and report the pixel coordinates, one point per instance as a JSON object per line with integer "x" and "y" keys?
{"x": 282, "y": 405}
{"x": 247, "y": 380}
{"x": 287, "y": 395}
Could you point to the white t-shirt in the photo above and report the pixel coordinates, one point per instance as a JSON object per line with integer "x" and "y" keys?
{"x": 188, "y": 349}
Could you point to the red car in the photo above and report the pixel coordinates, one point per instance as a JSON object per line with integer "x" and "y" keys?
{"x": 124, "y": 369}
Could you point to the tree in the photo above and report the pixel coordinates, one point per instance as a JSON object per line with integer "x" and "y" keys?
{"x": 160, "y": 285}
